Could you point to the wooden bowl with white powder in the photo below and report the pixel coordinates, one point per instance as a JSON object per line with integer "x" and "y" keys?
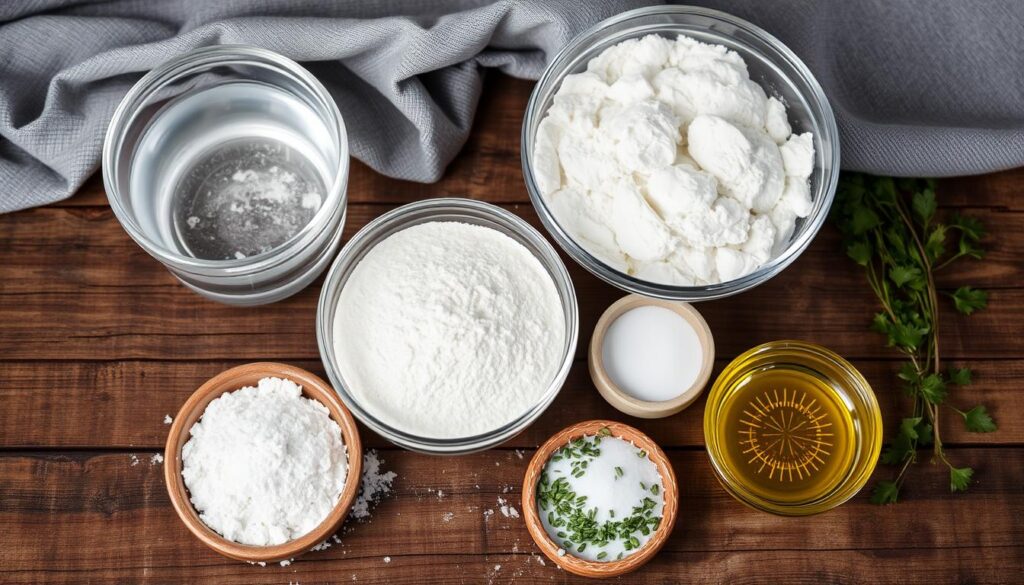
{"x": 229, "y": 381}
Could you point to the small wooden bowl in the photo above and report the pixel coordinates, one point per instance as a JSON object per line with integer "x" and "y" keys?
{"x": 233, "y": 379}
{"x": 618, "y": 397}
{"x": 598, "y": 569}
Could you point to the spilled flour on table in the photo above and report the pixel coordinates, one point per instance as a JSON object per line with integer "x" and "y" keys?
{"x": 375, "y": 485}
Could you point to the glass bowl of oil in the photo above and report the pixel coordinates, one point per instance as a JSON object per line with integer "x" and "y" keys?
{"x": 792, "y": 428}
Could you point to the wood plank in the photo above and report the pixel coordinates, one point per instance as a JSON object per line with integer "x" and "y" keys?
{"x": 85, "y": 516}
{"x": 94, "y": 251}
{"x": 123, "y": 404}
{"x": 75, "y": 286}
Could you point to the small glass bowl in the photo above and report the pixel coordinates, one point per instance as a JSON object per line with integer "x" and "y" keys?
{"x": 143, "y": 212}
{"x": 851, "y": 393}
{"x": 780, "y": 72}
{"x": 434, "y": 210}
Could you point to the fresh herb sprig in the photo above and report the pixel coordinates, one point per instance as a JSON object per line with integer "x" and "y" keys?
{"x": 890, "y": 228}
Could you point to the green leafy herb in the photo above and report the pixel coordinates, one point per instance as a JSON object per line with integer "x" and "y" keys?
{"x": 893, "y": 229}
{"x": 978, "y": 420}
{"x": 959, "y": 478}
{"x": 968, "y": 300}
{"x": 885, "y": 492}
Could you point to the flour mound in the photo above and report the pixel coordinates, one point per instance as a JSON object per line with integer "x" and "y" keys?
{"x": 448, "y": 330}
{"x": 264, "y": 465}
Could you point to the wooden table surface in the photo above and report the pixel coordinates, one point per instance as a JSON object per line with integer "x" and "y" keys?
{"x": 98, "y": 342}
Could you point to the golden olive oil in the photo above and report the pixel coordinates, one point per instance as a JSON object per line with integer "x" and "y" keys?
{"x": 786, "y": 434}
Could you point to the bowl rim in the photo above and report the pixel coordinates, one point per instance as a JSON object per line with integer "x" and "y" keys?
{"x": 233, "y": 379}
{"x": 336, "y": 199}
{"x": 817, "y": 98}
{"x": 600, "y": 569}
{"x": 422, "y": 212}
{"x": 859, "y": 475}
{"x": 622, "y": 400}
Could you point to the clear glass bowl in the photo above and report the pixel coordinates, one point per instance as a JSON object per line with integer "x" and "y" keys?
{"x": 144, "y": 154}
{"x": 432, "y": 210}
{"x": 781, "y": 73}
{"x": 851, "y": 398}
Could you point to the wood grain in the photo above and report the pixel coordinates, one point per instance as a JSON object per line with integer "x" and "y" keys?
{"x": 97, "y": 517}
{"x": 87, "y": 292}
{"x": 98, "y": 342}
{"x": 121, "y": 405}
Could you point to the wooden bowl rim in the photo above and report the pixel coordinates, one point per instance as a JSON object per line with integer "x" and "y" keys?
{"x": 599, "y": 569}
{"x": 622, "y": 400}
{"x": 233, "y": 379}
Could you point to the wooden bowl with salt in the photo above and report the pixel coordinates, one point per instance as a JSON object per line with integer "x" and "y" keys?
{"x": 600, "y": 569}
{"x": 249, "y": 375}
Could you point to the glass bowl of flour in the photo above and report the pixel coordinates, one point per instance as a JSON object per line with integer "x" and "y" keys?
{"x": 680, "y": 153}
{"x": 448, "y": 325}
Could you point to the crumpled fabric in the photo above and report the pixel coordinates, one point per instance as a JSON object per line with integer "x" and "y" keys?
{"x": 919, "y": 89}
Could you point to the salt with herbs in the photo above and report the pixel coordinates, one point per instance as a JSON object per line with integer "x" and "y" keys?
{"x": 600, "y": 497}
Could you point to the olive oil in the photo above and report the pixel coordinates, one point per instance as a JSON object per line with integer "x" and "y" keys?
{"x": 787, "y": 434}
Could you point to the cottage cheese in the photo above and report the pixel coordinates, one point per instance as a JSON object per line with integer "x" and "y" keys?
{"x": 665, "y": 161}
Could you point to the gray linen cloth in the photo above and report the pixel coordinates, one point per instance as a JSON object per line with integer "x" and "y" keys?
{"x": 919, "y": 88}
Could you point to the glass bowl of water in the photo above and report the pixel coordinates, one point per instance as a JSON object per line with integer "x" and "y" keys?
{"x": 229, "y": 165}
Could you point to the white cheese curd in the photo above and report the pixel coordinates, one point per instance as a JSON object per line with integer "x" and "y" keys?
{"x": 666, "y": 162}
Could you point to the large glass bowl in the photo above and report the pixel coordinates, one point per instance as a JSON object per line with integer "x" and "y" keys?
{"x": 463, "y": 211}
{"x": 137, "y": 146}
{"x": 781, "y": 73}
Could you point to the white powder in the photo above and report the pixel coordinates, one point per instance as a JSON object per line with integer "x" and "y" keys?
{"x": 264, "y": 465}
{"x": 668, "y": 163}
{"x": 448, "y": 330}
{"x": 373, "y": 486}
{"x": 652, "y": 353}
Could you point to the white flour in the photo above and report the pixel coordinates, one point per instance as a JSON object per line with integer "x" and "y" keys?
{"x": 668, "y": 163}
{"x": 448, "y": 330}
{"x": 264, "y": 465}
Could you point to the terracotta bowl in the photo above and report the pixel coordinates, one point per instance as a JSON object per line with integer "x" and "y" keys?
{"x": 233, "y": 379}
{"x": 598, "y": 569}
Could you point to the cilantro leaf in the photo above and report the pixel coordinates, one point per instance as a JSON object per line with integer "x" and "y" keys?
{"x": 970, "y": 227}
{"x": 863, "y": 219}
{"x": 908, "y": 426}
{"x": 959, "y": 376}
{"x": 902, "y": 275}
{"x": 859, "y": 252}
{"x": 967, "y": 247}
{"x": 933, "y": 389}
{"x": 923, "y": 203}
{"x": 901, "y": 449}
{"x": 908, "y": 373}
{"x": 885, "y": 492}
{"x": 969, "y": 300}
{"x": 934, "y": 245}
{"x": 978, "y": 420}
{"x": 906, "y": 335}
{"x": 959, "y": 478}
